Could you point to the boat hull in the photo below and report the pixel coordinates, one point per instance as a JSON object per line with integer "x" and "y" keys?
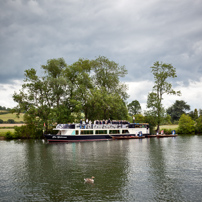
{"x": 150, "y": 136}
{"x": 76, "y": 138}
{"x": 79, "y": 138}
{"x": 127, "y": 137}
{"x": 162, "y": 136}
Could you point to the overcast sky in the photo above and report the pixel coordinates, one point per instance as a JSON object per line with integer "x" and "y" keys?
{"x": 134, "y": 33}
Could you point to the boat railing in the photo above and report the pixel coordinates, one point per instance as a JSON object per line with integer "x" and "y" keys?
{"x": 91, "y": 126}
{"x": 102, "y": 126}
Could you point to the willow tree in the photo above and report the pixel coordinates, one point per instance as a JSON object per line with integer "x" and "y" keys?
{"x": 161, "y": 72}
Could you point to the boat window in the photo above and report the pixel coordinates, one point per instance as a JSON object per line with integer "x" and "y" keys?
{"x": 86, "y": 132}
{"x": 101, "y": 132}
{"x": 114, "y": 132}
{"x": 125, "y": 132}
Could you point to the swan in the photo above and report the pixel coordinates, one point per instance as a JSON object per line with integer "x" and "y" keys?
{"x": 89, "y": 180}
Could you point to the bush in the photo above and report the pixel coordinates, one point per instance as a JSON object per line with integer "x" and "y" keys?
{"x": 28, "y": 132}
{"x": 1, "y": 121}
{"x": 199, "y": 125}
{"x": 10, "y": 121}
{"x": 186, "y": 124}
{"x": 9, "y": 135}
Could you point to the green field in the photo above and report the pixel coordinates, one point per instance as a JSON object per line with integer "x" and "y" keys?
{"x": 13, "y": 116}
{"x": 172, "y": 127}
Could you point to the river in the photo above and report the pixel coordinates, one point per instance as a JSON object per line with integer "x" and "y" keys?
{"x": 165, "y": 169}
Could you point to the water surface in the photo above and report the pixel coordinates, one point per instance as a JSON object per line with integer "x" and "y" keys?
{"x": 166, "y": 169}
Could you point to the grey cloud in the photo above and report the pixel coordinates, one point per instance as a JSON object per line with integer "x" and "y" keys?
{"x": 132, "y": 33}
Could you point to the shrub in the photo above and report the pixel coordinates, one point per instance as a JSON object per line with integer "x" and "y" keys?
{"x": 199, "y": 125}
{"x": 28, "y": 132}
{"x": 10, "y": 121}
{"x": 1, "y": 121}
{"x": 9, "y": 135}
{"x": 186, "y": 124}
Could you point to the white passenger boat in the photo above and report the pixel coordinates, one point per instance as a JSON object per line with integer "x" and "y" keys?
{"x": 86, "y": 132}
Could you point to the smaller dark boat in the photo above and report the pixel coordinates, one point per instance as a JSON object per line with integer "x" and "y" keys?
{"x": 150, "y": 136}
{"x": 127, "y": 137}
{"x": 164, "y": 135}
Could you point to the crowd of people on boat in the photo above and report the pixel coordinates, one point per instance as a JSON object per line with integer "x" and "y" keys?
{"x": 103, "y": 123}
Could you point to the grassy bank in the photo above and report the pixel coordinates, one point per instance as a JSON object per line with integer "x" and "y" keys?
{"x": 3, "y": 131}
{"x": 6, "y": 127}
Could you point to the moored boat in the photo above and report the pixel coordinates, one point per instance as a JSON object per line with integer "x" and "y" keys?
{"x": 96, "y": 132}
{"x": 127, "y": 137}
{"x": 166, "y": 135}
{"x": 150, "y": 136}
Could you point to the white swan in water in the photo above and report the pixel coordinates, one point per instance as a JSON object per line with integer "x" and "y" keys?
{"x": 89, "y": 180}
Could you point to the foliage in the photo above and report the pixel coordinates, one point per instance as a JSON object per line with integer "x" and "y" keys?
{"x": 200, "y": 112}
{"x": 139, "y": 118}
{"x": 199, "y": 125}
{"x": 10, "y": 121}
{"x": 186, "y": 125}
{"x": 149, "y": 118}
{"x": 167, "y": 119}
{"x": 177, "y": 109}
{"x": 1, "y": 121}
{"x": 4, "y": 108}
{"x": 161, "y": 72}
{"x": 194, "y": 114}
{"x": 64, "y": 92}
{"x": 134, "y": 107}
{"x": 9, "y": 135}
{"x": 28, "y": 132}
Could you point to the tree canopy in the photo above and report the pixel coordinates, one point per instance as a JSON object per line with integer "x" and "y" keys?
{"x": 177, "y": 109}
{"x": 66, "y": 93}
{"x": 134, "y": 107}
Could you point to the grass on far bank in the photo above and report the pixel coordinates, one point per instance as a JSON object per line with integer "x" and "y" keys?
{"x": 172, "y": 127}
{"x": 13, "y": 116}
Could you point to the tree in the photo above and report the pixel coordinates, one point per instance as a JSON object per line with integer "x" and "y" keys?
{"x": 194, "y": 114}
{"x": 200, "y": 112}
{"x": 161, "y": 72}
{"x": 43, "y": 98}
{"x": 134, "y": 108}
{"x": 199, "y": 125}
{"x": 177, "y": 109}
{"x": 186, "y": 124}
{"x": 107, "y": 86}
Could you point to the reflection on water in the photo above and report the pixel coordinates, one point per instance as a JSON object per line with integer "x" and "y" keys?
{"x": 167, "y": 169}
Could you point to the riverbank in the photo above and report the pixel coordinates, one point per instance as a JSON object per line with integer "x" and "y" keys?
{"x": 8, "y": 127}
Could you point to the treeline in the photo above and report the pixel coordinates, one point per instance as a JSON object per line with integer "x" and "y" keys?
{"x": 67, "y": 93}
{"x": 91, "y": 89}
{"x": 179, "y": 113}
{"x": 4, "y": 110}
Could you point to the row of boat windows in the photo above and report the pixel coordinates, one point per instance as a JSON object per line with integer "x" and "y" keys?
{"x": 90, "y": 132}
